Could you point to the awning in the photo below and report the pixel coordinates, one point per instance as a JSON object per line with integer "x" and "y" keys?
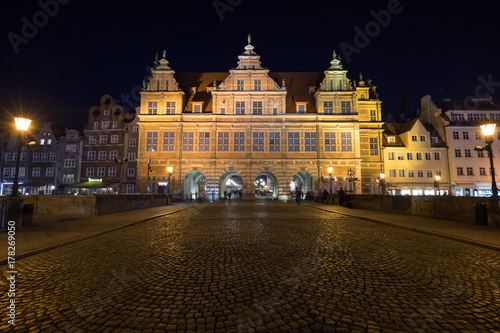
{"x": 93, "y": 185}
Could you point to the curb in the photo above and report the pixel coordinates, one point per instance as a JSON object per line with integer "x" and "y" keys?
{"x": 76, "y": 240}
{"x": 422, "y": 231}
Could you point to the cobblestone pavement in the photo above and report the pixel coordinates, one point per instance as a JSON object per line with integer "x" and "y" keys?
{"x": 258, "y": 267}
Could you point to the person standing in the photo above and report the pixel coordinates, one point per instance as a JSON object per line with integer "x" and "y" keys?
{"x": 229, "y": 194}
{"x": 341, "y": 197}
{"x": 298, "y": 196}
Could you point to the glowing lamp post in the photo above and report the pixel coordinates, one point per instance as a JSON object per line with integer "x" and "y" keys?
{"x": 170, "y": 171}
{"x": 381, "y": 182}
{"x": 437, "y": 178}
{"x": 22, "y": 125}
{"x": 488, "y": 131}
{"x": 330, "y": 172}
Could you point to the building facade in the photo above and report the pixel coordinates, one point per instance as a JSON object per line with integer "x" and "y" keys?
{"x": 457, "y": 123}
{"x": 221, "y": 131}
{"x": 106, "y": 148}
{"x": 69, "y": 160}
{"x": 414, "y": 155}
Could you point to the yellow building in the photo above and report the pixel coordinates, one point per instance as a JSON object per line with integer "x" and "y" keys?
{"x": 222, "y": 131}
{"x": 414, "y": 154}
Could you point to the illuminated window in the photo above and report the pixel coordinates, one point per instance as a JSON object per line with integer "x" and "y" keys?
{"x": 68, "y": 178}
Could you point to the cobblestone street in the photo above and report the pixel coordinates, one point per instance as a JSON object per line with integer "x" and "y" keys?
{"x": 258, "y": 266}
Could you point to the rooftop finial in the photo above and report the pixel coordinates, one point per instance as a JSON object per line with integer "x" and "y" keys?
{"x": 335, "y": 63}
{"x": 164, "y": 54}
{"x": 249, "y": 39}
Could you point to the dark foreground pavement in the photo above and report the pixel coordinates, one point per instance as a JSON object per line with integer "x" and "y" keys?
{"x": 258, "y": 266}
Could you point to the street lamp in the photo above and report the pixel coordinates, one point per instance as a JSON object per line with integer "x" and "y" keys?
{"x": 22, "y": 125}
{"x": 330, "y": 172}
{"x": 381, "y": 182}
{"x": 437, "y": 178}
{"x": 149, "y": 170}
{"x": 170, "y": 171}
{"x": 488, "y": 131}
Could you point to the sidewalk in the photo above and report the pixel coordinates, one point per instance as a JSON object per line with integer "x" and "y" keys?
{"x": 48, "y": 235}
{"x": 484, "y": 236}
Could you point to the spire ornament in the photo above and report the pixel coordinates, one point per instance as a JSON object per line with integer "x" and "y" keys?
{"x": 164, "y": 54}
{"x": 249, "y": 39}
{"x": 335, "y": 63}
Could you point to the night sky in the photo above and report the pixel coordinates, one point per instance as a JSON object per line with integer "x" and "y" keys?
{"x": 90, "y": 48}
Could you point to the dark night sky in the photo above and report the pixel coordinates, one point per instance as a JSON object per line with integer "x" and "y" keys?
{"x": 90, "y": 48}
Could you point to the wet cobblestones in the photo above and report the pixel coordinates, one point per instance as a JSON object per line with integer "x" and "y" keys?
{"x": 259, "y": 267}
